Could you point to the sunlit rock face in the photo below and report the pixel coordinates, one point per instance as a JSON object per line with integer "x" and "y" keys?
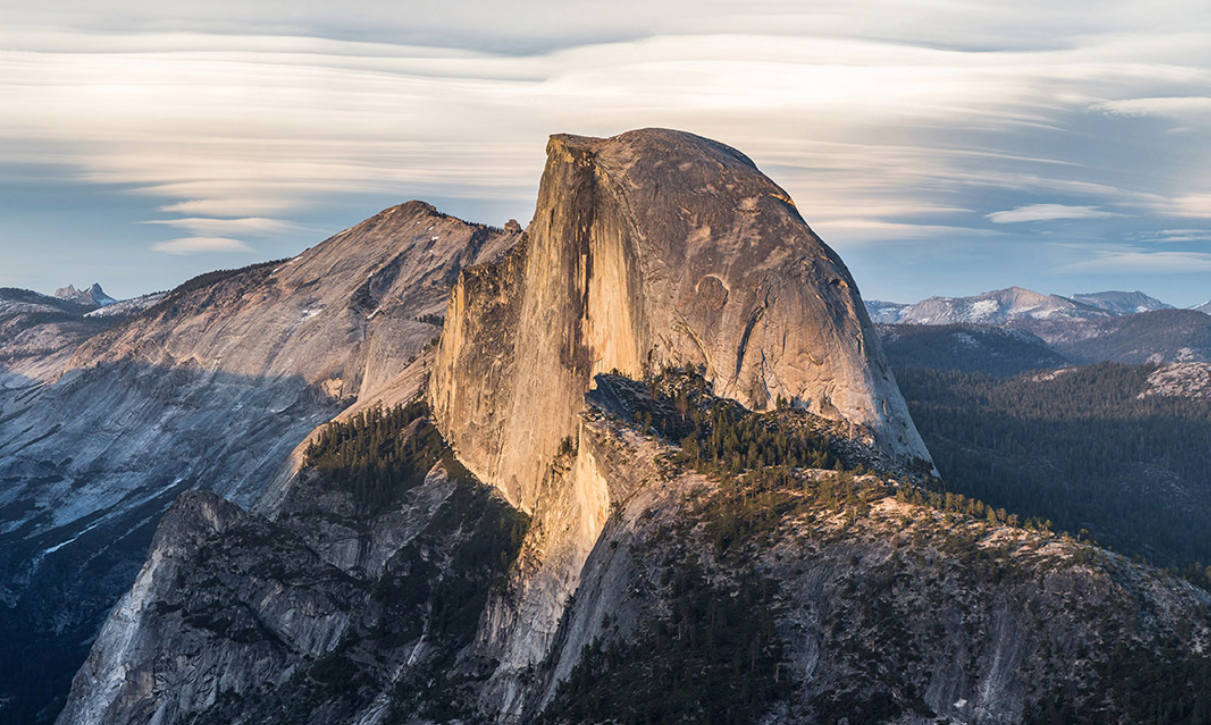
{"x": 650, "y": 249}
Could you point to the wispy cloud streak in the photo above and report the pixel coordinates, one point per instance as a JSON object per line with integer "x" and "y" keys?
{"x": 230, "y": 122}
{"x": 202, "y": 245}
{"x": 1048, "y": 212}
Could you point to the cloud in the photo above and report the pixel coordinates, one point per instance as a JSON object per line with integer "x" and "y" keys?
{"x": 1140, "y": 262}
{"x": 854, "y": 232}
{"x": 202, "y": 245}
{"x": 258, "y": 226}
{"x": 1197, "y": 206}
{"x": 243, "y": 118}
{"x": 1169, "y": 236}
{"x": 266, "y": 125}
{"x": 1189, "y": 109}
{"x": 535, "y": 26}
{"x": 1048, "y": 212}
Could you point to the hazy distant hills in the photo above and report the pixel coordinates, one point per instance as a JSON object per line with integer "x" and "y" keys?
{"x": 1160, "y": 336}
{"x": 968, "y": 348}
{"x": 1013, "y": 303}
{"x": 1108, "y": 435}
{"x": 1039, "y": 331}
{"x": 1121, "y": 303}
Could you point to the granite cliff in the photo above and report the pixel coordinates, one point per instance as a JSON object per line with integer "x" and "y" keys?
{"x": 770, "y": 595}
{"x": 649, "y": 250}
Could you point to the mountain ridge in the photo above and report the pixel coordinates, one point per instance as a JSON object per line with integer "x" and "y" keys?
{"x": 1088, "y": 328}
{"x": 1012, "y": 304}
{"x": 94, "y": 296}
{"x": 229, "y": 373}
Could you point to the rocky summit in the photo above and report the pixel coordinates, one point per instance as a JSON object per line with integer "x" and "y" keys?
{"x": 649, "y": 250}
{"x": 654, "y": 469}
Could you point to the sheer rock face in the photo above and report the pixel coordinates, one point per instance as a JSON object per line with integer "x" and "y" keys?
{"x": 332, "y": 616}
{"x": 650, "y": 249}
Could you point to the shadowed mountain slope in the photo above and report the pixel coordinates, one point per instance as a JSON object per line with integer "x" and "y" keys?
{"x": 211, "y": 387}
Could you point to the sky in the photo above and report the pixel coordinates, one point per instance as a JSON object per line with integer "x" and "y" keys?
{"x": 942, "y": 147}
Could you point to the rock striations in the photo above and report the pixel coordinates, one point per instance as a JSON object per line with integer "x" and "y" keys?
{"x": 648, "y": 250}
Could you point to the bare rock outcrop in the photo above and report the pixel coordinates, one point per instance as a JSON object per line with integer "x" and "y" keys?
{"x": 648, "y": 250}
{"x": 857, "y": 598}
{"x": 652, "y": 249}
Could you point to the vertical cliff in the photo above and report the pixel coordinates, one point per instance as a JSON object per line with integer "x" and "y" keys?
{"x": 650, "y": 249}
{"x": 647, "y": 250}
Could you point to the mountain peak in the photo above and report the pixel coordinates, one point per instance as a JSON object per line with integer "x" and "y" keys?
{"x": 1123, "y": 303}
{"x": 94, "y": 296}
{"x": 659, "y": 143}
{"x": 654, "y": 249}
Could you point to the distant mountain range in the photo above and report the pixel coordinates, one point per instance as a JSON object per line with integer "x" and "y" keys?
{"x": 93, "y": 296}
{"x": 39, "y": 333}
{"x": 1015, "y": 303}
{"x": 1009, "y": 331}
{"x": 1121, "y": 303}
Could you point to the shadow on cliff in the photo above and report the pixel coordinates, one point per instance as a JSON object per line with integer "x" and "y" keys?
{"x": 88, "y": 465}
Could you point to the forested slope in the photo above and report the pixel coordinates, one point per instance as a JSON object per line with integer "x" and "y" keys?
{"x": 1081, "y": 447}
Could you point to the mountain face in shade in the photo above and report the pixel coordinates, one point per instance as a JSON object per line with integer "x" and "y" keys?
{"x": 969, "y": 348}
{"x": 212, "y": 386}
{"x": 1159, "y": 336}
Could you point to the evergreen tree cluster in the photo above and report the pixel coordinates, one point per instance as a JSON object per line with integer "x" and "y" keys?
{"x": 756, "y": 502}
{"x": 379, "y": 454}
{"x": 718, "y": 435}
{"x": 712, "y": 661}
{"x": 1142, "y": 687}
{"x": 1081, "y": 449}
{"x": 761, "y": 460}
